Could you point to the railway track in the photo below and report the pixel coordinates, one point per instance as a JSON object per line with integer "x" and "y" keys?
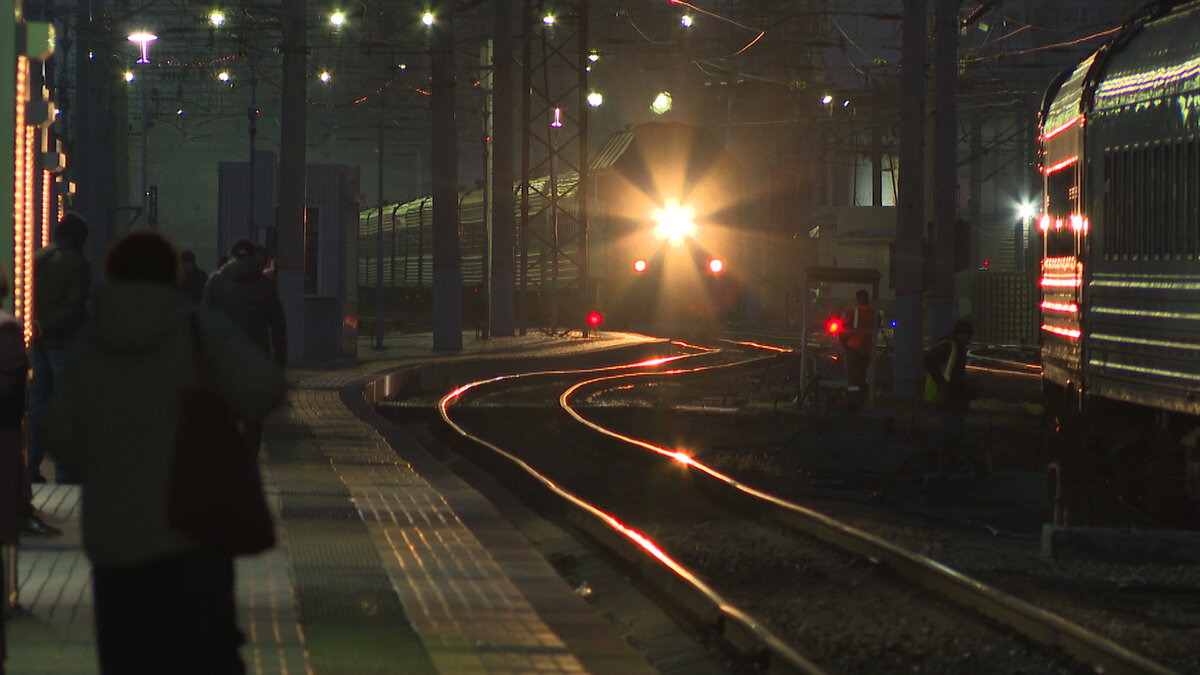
{"x": 834, "y": 595}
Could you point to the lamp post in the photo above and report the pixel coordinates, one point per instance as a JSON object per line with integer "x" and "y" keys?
{"x": 144, "y": 40}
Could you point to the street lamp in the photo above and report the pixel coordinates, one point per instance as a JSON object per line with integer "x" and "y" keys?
{"x": 143, "y": 39}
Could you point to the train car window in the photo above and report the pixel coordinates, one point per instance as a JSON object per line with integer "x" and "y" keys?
{"x": 1192, "y": 197}
{"x": 1111, "y": 214}
{"x": 1139, "y": 199}
{"x": 1174, "y": 205}
{"x": 1062, "y": 199}
{"x": 1154, "y": 174}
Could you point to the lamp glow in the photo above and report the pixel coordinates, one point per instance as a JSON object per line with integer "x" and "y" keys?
{"x": 337, "y": 19}
{"x": 595, "y": 99}
{"x": 325, "y": 76}
{"x": 661, "y": 104}
{"x": 216, "y": 19}
{"x": 427, "y": 18}
{"x": 143, "y": 40}
{"x": 686, "y": 21}
{"x": 674, "y": 222}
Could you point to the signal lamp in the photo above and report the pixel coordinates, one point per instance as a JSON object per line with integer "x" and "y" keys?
{"x": 716, "y": 266}
{"x": 595, "y": 319}
{"x": 639, "y": 265}
{"x": 834, "y": 325}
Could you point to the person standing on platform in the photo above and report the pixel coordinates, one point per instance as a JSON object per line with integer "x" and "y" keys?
{"x": 948, "y": 387}
{"x": 252, "y": 299}
{"x": 858, "y": 339}
{"x": 62, "y": 280}
{"x": 14, "y": 370}
{"x": 194, "y": 278}
{"x": 163, "y": 604}
{"x": 242, "y": 291}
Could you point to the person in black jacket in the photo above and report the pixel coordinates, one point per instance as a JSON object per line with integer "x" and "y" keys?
{"x": 945, "y": 365}
{"x": 62, "y": 281}
{"x": 252, "y": 299}
{"x": 13, "y": 481}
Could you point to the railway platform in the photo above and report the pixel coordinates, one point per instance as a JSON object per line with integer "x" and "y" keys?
{"x": 386, "y": 563}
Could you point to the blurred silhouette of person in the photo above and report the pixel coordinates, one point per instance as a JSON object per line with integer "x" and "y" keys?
{"x": 194, "y": 278}
{"x": 14, "y": 369}
{"x": 251, "y": 299}
{"x": 946, "y": 364}
{"x": 62, "y": 280}
{"x": 163, "y": 603}
{"x": 858, "y": 337}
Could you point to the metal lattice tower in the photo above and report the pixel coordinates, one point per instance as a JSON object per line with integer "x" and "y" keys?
{"x": 553, "y": 223}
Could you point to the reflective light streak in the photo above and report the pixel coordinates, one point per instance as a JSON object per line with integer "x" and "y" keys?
{"x": 1004, "y": 371}
{"x": 1070, "y": 161}
{"x": 1146, "y": 313}
{"x": 1145, "y": 342}
{"x": 1062, "y": 127}
{"x": 1143, "y": 370}
{"x": 1059, "y": 282}
{"x": 1068, "y": 307}
{"x": 1150, "y": 80}
{"x": 759, "y": 345}
{"x": 1070, "y": 333}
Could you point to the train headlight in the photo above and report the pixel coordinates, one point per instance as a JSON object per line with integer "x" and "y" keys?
{"x": 674, "y": 222}
{"x": 639, "y": 265}
{"x": 716, "y": 265}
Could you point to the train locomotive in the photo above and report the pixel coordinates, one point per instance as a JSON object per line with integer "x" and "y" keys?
{"x": 665, "y": 245}
{"x": 1120, "y": 272}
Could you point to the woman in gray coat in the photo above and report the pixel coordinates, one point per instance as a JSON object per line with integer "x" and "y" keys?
{"x": 163, "y": 604}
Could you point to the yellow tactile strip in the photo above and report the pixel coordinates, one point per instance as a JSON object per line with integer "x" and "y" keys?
{"x": 468, "y": 614}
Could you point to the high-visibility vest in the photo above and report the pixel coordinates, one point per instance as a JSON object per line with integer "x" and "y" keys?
{"x": 860, "y": 327}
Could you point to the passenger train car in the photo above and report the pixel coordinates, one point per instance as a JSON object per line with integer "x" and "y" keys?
{"x": 1120, "y": 272}
{"x": 664, "y": 243}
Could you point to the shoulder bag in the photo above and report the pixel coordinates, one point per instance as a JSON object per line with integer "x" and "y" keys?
{"x": 216, "y": 494}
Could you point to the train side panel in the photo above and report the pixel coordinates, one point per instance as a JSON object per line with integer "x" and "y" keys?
{"x": 1143, "y": 154}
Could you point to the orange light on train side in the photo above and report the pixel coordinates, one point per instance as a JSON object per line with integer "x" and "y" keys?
{"x": 594, "y": 319}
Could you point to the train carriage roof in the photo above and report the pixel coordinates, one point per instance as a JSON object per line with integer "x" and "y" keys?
{"x": 1156, "y": 55}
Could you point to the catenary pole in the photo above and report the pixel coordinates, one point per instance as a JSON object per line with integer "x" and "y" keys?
{"x": 292, "y": 160}
{"x": 447, "y": 273}
{"x": 503, "y": 238}
{"x": 911, "y": 215}
{"x": 942, "y": 304}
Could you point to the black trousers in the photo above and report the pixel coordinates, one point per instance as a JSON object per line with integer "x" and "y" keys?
{"x": 172, "y": 615}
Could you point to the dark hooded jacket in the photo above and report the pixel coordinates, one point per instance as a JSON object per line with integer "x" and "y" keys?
{"x": 62, "y": 279}
{"x": 251, "y": 299}
{"x": 114, "y": 415}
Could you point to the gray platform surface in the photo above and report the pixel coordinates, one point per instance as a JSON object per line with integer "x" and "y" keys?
{"x": 386, "y": 562}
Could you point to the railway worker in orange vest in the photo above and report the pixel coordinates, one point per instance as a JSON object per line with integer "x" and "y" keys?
{"x": 858, "y": 338}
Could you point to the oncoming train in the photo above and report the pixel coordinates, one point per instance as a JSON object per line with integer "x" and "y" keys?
{"x": 666, "y": 240}
{"x": 1120, "y": 272}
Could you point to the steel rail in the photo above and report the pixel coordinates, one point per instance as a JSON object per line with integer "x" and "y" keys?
{"x": 1030, "y": 621}
{"x": 738, "y": 627}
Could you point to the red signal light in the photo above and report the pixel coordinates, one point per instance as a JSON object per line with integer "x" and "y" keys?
{"x": 834, "y": 325}
{"x": 595, "y": 319}
{"x": 716, "y": 266}
{"x": 639, "y": 265}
